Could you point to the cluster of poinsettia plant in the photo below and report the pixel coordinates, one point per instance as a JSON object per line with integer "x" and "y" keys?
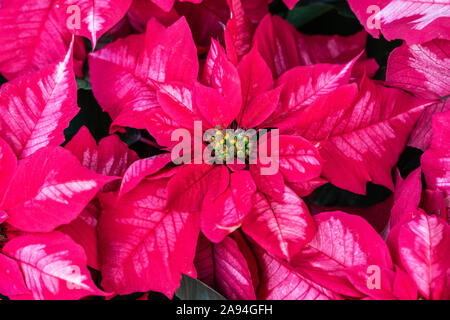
{"x": 83, "y": 216}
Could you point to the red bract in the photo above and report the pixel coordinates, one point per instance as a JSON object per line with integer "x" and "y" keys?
{"x": 181, "y": 100}
{"x": 224, "y": 266}
{"x": 336, "y": 264}
{"x": 436, "y": 160}
{"x": 341, "y": 243}
{"x": 52, "y": 266}
{"x": 137, "y": 64}
{"x": 420, "y": 246}
{"x": 283, "y": 48}
{"x": 111, "y": 157}
{"x": 143, "y": 245}
{"x": 48, "y": 189}
{"x": 415, "y": 21}
{"x": 423, "y": 70}
{"x": 35, "y": 109}
{"x": 281, "y": 227}
{"x": 199, "y": 76}
{"x": 95, "y": 17}
{"x": 44, "y": 36}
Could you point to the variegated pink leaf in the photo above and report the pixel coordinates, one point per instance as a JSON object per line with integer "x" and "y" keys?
{"x": 420, "y": 246}
{"x": 436, "y": 161}
{"x": 238, "y": 32}
{"x": 281, "y": 227}
{"x": 304, "y": 87}
{"x": 140, "y": 169}
{"x": 8, "y": 164}
{"x": 342, "y": 241}
{"x": 35, "y": 109}
{"x": 407, "y": 196}
{"x": 124, "y": 75}
{"x": 41, "y": 28}
{"x": 189, "y": 186}
{"x": 415, "y": 21}
{"x": 223, "y": 212}
{"x": 48, "y": 189}
{"x": 11, "y": 278}
{"x": 53, "y": 266}
{"x": 362, "y": 141}
{"x": 83, "y": 230}
{"x": 144, "y": 246}
{"x": 111, "y": 157}
{"x": 224, "y": 267}
{"x": 381, "y": 283}
{"x": 421, "y": 69}
{"x": 299, "y": 160}
{"x": 280, "y": 281}
{"x": 95, "y": 16}
{"x": 284, "y": 48}
{"x": 422, "y": 134}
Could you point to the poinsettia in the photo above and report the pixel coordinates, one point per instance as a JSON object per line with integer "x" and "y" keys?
{"x": 54, "y": 265}
{"x": 35, "y": 109}
{"x": 435, "y": 161}
{"x": 44, "y": 37}
{"x": 346, "y": 258}
{"x": 111, "y": 157}
{"x": 420, "y": 246}
{"x": 143, "y": 245}
{"x": 415, "y": 21}
{"x": 283, "y": 48}
{"x": 92, "y": 19}
{"x": 48, "y": 266}
{"x": 419, "y": 235}
{"x": 206, "y": 19}
{"x": 179, "y": 98}
{"x": 228, "y": 266}
{"x": 423, "y": 70}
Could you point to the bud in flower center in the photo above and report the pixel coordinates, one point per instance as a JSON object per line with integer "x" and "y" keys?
{"x": 227, "y": 145}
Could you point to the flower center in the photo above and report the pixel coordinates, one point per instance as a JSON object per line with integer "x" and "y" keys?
{"x": 228, "y": 144}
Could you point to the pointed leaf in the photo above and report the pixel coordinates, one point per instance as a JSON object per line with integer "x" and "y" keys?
{"x": 421, "y": 69}
{"x": 361, "y": 142}
{"x": 41, "y": 28}
{"x": 54, "y": 267}
{"x": 50, "y": 188}
{"x": 83, "y": 230}
{"x": 110, "y": 158}
{"x": 281, "y": 227}
{"x": 280, "y": 281}
{"x": 223, "y": 214}
{"x": 342, "y": 241}
{"x": 144, "y": 246}
{"x": 140, "y": 169}
{"x": 35, "y": 109}
{"x": 420, "y": 246}
{"x": 436, "y": 161}
{"x": 415, "y": 21}
{"x": 11, "y": 279}
{"x": 97, "y": 16}
{"x": 189, "y": 186}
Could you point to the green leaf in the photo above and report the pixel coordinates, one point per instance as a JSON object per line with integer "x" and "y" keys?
{"x": 193, "y": 289}
{"x": 84, "y": 84}
{"x": 302, "y": 15}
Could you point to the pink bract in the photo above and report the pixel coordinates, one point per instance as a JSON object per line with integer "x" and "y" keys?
{"x": 415, "y": 21}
